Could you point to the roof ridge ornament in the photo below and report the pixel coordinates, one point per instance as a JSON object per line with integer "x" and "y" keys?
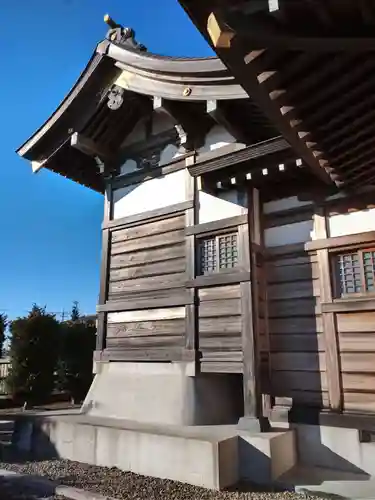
{"x": 121, "y": 35}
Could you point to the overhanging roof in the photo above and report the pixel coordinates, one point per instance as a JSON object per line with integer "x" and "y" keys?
{"x": 196, "y": 91}
{"x": 310, "y": 66}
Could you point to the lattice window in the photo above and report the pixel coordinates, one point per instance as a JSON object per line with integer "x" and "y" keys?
{"x": 355, "y": 272}
{"x": 207, "y": 252}
{"x": 228, "y": 252}
{"x": 218, "y": 253}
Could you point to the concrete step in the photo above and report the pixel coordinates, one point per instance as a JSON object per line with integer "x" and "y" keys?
{"x": 329, "y": 482}
{"x": 207, "y": 456}
{"x": 7, "y": 425}
{"x": 6, "y": 437}
{"x": 6, "y": 431}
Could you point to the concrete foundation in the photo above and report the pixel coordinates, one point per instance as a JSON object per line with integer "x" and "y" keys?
{"x": 209, "y": 456}
{"x": 166, "y": 393}
{"x": 334, "y": 448}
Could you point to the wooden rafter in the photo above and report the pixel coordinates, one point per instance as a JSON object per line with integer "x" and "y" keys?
{"x": 299, "y": 88}
{"x": 271, "y": 78}
{"x": 338, "y": 90}
{"x": 351, "y": 132}
{"x": 366, "y": 176}
{"x": 360, "y": 145}
{"x": 260, "y": 32}
{"x": 249, "y": 78}
{"x": 350, "y": 112}
{"x": 357, "y": 163}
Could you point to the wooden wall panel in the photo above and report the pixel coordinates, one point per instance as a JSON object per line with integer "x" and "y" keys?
{"x": 147, "y": 258}
{"x": 219, "y": 321}
{"x": 145, "y": 329}
{"x": 356, "y": 322}
{"x": 356, "y": 338}
{"x": 297, "y": 345}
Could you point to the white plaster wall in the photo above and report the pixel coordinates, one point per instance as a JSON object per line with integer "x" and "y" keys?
{"x": 216, "y": 138}
{"x": 217, "y": 207}
{"x": 128, "y": 167}
{"x": 169, "y": 153}
{"x": 352, "y": 223}
{"x": 284, "y": 204}
{"x": 289, "y": 234}
{"x": 149, "y": 195}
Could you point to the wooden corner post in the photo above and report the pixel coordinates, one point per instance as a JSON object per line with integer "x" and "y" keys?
{"x": 250, "y": 244}
{"x": 328, "y": 318}
{"x": 104, "y": 269}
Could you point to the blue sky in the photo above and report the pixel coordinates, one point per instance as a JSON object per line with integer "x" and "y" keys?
{"x": 50, "y": 235}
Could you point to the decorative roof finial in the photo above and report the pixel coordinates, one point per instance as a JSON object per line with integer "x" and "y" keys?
{"x": 111, "y": 23}
{"x": 122, "y": 36}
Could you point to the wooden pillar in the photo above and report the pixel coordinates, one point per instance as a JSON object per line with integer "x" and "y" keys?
{"x": 250, "y": 240}
{"x": 191, "y": 318}
{"x": 328, "y": 318}
{"x": 104, "y": 269}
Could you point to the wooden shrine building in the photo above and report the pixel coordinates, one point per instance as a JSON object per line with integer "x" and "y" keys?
{"x": 238, "y": 265}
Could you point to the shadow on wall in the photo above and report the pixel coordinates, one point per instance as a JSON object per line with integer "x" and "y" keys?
{"x": 14, "y": 484}
{"x": 299, "y": 378}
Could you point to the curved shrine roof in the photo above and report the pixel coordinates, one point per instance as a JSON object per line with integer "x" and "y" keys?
{"x": 118, "y": 88}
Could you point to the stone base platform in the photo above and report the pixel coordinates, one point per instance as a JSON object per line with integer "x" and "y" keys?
{"x": 210, "y": 456}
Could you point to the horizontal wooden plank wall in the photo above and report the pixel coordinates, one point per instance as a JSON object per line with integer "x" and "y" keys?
{"x": 356, "y": 337}
{"x": 298, "y": 371}
{"x": 147, "y": 262}
{"x": 295, "y": 327}
{"x": 144, "y": 305}
{"x": 146, "y": 258}
{"x": 322, "y": 346}
{"x": 146, "y": 329}
{"x": 220, "y": 341}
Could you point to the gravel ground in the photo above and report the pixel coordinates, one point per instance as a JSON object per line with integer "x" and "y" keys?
{"x": 129, "y": 486}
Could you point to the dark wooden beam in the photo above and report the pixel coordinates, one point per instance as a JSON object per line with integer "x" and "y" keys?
{"x": 88, "y": 147}
{"x": 219, "y": 225}
{"x": 216, "y": 109}
{"x": 341, "y": 241}
{"x": 261, "y": 32}
{"x": 191, "y": 117}
{"x": 145, "y": 217}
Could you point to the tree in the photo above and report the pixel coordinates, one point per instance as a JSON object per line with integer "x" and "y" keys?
{"x": 76, "y": 354}
{"x": 75, "y": 314}
{"x": 34, "y": 347}
{"x": 3, "y": 327}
